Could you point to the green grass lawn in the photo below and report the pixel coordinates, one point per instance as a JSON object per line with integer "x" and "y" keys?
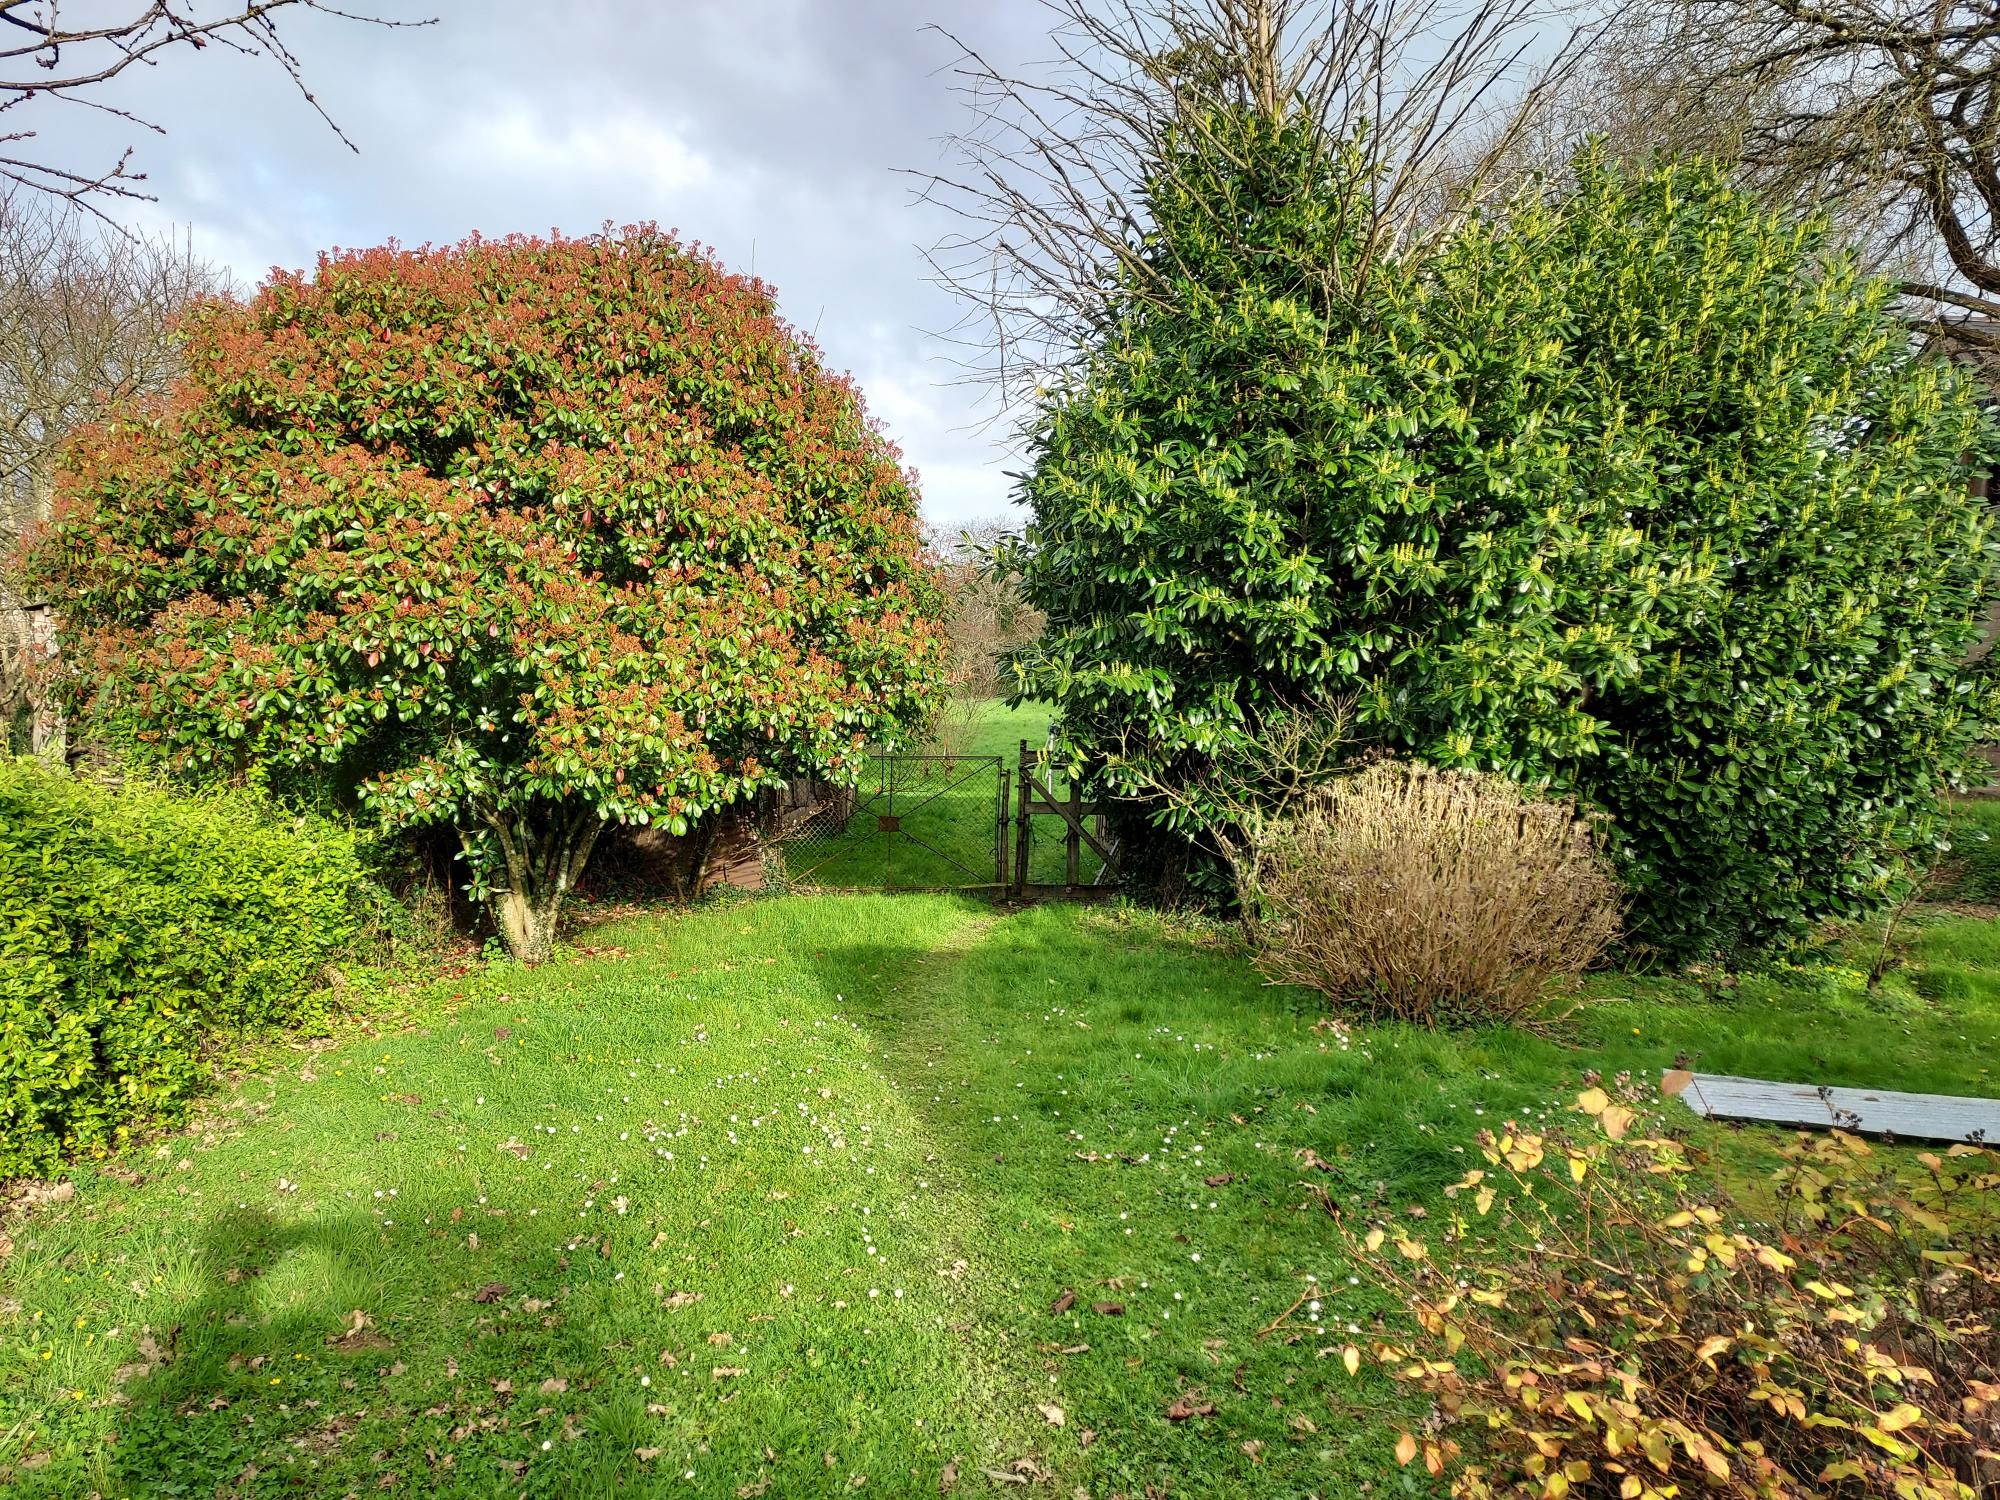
{"x": 782, "y": 1200}
{"x": 946, "y": 807}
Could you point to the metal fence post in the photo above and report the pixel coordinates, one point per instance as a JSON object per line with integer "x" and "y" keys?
{"x": 1000, "y": 834}
{"x": 1023, "y": 792}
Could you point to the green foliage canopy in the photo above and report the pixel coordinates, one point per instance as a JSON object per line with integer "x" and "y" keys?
{"x": 518, "y": 535}
{"x": 1634, "y": 489}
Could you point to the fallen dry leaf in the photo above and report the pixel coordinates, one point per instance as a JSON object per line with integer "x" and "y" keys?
{"x": 555, "y": 1385}
{"x": 1193, "y": 1404}
{"x": 1220, "y": 1179}
{"x": 682, "y": 1299}
{"x": 1020, "y": 1471}
{"x": 1053, "y": 1415}
{"x": 647, "y": 1455}
{"x": 948, "y": 1478}
{"x": 1065, "y": 1302}
{"x": 492, "y": 1291}
{"x": 1109, "y": 1309}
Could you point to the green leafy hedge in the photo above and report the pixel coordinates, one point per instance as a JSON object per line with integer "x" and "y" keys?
{"x": 136, "y": 925}
{"x": 1634, "y": 489}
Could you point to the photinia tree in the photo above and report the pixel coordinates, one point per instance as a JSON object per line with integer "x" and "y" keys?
{"x": 517, "y": 535}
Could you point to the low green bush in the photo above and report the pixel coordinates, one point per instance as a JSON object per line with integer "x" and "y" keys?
{"x": 138, "y": 925}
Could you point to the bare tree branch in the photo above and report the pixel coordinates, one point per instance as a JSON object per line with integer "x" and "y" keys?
{"x": 1046, "y": 182}
{"x": 86, "y": 321}
{"x": 1884, "y": 114}
{"x": 45, "y": 60}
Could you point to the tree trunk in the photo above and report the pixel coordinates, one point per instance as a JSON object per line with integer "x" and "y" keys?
{"x": 527, "y": 924}
{"x": 542, "y": 852}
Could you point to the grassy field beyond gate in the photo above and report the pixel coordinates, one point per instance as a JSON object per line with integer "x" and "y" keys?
{"x": 945, "y": 801}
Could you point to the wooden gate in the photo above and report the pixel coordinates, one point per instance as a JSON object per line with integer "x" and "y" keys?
{"x": 1089, "y": 856}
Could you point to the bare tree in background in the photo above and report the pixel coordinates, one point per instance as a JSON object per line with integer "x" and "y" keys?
{"x": 1884, "y": 114}
{"x": 53, "y": 52}
{"x": 1046, "y": 181}
{"x": 986, "y": 616}
{"x": 86, "y": 323}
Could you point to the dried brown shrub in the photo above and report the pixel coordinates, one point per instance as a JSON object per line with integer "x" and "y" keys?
{"x": 1439, "y": 897}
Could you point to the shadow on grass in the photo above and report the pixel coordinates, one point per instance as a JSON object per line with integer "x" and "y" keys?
{"x": 534, "y": 1361}
{"x": 280, "y": 1378}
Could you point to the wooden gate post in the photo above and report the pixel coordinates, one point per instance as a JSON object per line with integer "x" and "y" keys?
{"x": 1074, "y": 843}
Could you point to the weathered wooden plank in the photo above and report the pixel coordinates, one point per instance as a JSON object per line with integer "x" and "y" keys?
{"x": 1072, "y": 811}
{"x": 1914, "y": 1117}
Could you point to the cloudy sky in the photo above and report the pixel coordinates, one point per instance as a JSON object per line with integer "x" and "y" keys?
{"x": 771, "y": 130}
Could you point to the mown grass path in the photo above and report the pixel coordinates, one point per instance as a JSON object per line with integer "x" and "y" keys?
{"x": 817, "y": 1196}
{"x": 620, "y": 1229}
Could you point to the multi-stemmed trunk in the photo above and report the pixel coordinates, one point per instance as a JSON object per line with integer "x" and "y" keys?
{"x": 541, "y": 859}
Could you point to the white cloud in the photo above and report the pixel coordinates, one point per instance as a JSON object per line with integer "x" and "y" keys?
{"x": 519, "y": 141}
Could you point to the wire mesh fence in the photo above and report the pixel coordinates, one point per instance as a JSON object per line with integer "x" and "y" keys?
{"x": 912, "y": 822}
